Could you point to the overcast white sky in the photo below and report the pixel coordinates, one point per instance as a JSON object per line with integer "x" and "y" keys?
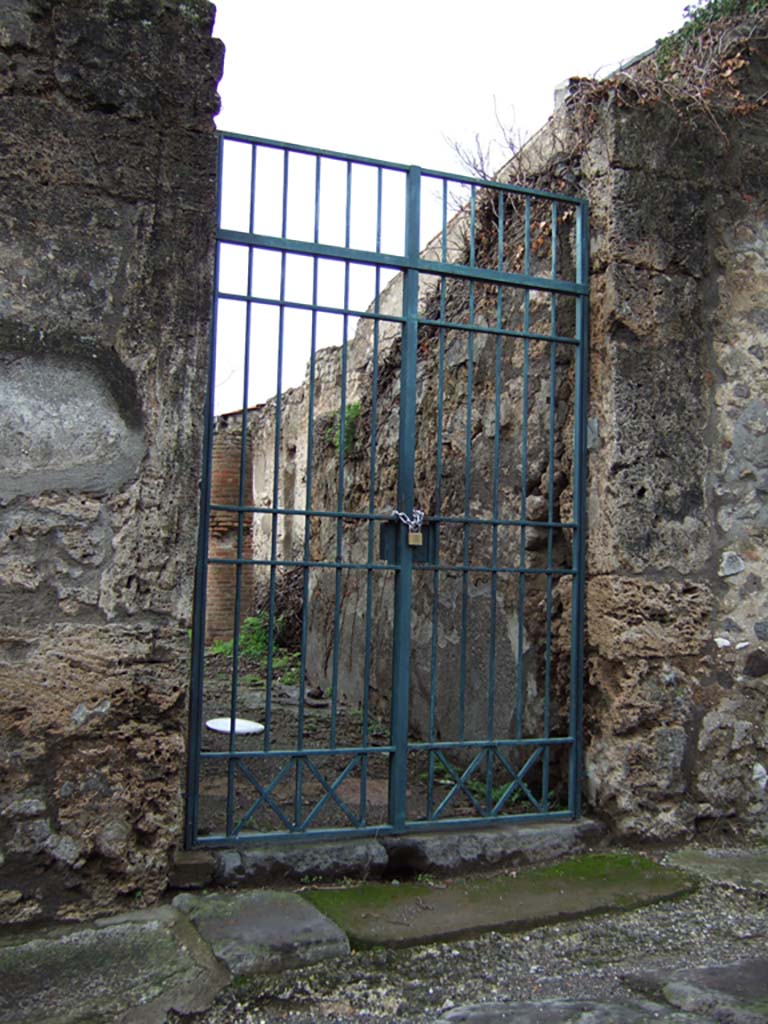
{"x": 395, "y": 81}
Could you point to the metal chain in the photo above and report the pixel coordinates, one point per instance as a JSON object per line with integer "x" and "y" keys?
{"x": 413, "y": 521}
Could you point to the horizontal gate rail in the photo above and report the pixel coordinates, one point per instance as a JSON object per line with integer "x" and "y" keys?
{"x": 449, "y": 567}
{"x": 387, "y": 518}
{"x": 432, "y": 267}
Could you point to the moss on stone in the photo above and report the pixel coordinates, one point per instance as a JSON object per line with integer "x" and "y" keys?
{"x": 380, "y": 913}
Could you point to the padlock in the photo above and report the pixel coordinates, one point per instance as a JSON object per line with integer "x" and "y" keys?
{"x": 415, "y": 538}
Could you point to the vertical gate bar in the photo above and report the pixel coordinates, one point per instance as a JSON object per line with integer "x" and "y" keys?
{"x": 379, "y": 201}
{"x": 444, "y": 224}
{"x": 276, "y": 469}
{"x": 551, "y": 517}
{"x": 348, "y": 205}
{"x": 401, "y": 655}
{"x": 579, "y": 507}
{"x": 316, "y": 225}
{"x": 298, "y": 792}
{"x": 494, "y": 561}
{"x": 523, "y": 477}
{"x": 467, "y": 513}
{"x": 495, "y": 512}
{"x": 342, "y": 453}
{"x": 553, "y": 264}
{"x": 499, "y": 198}
{"x": 437, "y": 511}
{"x": 284, "y": 220}
{"x": 194, "y": 740}
{"x": 472, "y": 224}
{"x": 370, "y": 554}
{"x": 436, "y": 573}
{"x": 233, "y": 700}
{"x": 500, "y": 232}
{"x": 522, "y": 555}
{"x": 365, "y": 736}
{"x": 372, "y": 464}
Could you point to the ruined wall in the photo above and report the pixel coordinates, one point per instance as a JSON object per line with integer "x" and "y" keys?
{"x": 677, "y": 694}
{"x": 106, "y": 223}
{"x": 107, "y": 200}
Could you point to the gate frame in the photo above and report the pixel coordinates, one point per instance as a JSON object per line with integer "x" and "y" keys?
{"x": 411, "y": 266}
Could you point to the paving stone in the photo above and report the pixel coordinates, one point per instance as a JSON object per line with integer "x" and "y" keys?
{"x": 567, "y": 1011}
{"x": 738, "y": 867}
{"x": 410, "y": 913}
{"x": 736, "y": 992}
{"x": 262, "y": 932}
{"x": 129, "y": 969}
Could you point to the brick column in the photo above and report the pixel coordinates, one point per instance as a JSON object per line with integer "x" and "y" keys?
{"x": 223, "y": 535}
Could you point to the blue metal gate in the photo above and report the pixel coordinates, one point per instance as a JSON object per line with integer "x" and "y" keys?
{"x": 389, "y": 599}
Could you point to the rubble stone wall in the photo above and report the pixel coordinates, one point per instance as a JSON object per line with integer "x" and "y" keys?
{"x": 677, "y": 670}
{"x": 107, "y": 206}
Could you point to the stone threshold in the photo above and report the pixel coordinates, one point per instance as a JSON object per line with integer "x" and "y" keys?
{"x": 388, "y": 856}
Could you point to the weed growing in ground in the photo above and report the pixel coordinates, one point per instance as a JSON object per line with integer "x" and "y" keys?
{"x": 476, "y": 787}
{"x": 288, "y": 665}
{"x": 253, "y": 647}
{"x": 253, "y": 640}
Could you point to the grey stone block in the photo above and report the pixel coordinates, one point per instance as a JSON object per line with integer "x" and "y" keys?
{"x": 742, "y": 868}
{"x": 263, "y": 932}
{"x": 365, "y": 858}
{"x": 735, "y": 992}
{"x": 228, "y": 866}
{"x": 130, "y": 969}
{"x": 451, "y": 852}
{"x": 191, "y": 869}
{"x": 566, "y": 1011}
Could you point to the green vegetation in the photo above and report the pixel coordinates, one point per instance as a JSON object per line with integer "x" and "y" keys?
{"x": 591, "y": 867}
{"x": 475, "y": 786}
{"x": 698, "y": 17}
{"x": 702, "y": 13}
{"x": 333, "y": 433}
{"x": 254, "y": 639}
{"x": 478, "y": 789}
{"x": 254, "y": 647}
{"x": 287, "y": 664}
